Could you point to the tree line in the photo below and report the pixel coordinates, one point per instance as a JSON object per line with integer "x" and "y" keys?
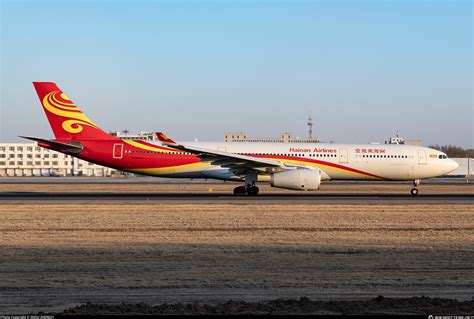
{"x": 454, "y": 151}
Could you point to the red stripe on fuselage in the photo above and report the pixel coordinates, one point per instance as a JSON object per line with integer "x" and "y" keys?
{"x": 320, "y": 162}
{"x": 100, "y": 151}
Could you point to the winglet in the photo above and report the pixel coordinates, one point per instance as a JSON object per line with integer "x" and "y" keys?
{"x": 165, "y": 139}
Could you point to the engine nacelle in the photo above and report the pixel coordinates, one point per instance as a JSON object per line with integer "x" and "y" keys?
{"x": 298, "y": 179}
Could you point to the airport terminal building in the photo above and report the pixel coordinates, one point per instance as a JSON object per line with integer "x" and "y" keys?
{"x": 28, "y": 159}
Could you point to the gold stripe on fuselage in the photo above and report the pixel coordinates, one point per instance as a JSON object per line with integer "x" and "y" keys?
{"x": 171, "y": 169}
{"x": 149, "y": 148}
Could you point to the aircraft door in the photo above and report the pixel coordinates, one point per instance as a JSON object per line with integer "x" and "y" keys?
{"x": 118, "y": 151}
{"x": 421, "y": 157}
{"x": 343, "y": 156}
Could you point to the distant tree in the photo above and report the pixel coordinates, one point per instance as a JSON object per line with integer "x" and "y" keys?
{"x": 454, "y": 151}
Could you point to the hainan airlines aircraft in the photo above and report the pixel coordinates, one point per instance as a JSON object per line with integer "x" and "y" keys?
{"x": 296, "y": 166}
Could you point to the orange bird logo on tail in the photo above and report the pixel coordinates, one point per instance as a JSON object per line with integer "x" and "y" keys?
{"x": 59, "y": 104}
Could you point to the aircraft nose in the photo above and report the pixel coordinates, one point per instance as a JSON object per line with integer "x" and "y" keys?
{"x": 452, "y": 165}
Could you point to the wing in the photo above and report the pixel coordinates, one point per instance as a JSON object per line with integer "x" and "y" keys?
{"x": 237, "y": 162}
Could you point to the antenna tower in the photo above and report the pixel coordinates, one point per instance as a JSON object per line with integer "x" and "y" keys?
{"x": 310, "y": 125}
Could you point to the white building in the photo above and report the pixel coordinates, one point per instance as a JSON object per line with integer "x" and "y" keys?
{"x": 466, "y": 167}
{"x": 144, "y": 136}
{"x": 401, "y": 140}
{"x": 28, "y": 159}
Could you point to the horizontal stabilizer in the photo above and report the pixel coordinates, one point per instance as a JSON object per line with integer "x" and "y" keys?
{"x": 72, "y": 148}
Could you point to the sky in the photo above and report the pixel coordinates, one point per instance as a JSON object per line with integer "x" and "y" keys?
{"x": 365, "y": 70}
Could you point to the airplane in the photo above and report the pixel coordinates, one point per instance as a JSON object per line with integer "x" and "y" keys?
{"x": 295, "y": 166}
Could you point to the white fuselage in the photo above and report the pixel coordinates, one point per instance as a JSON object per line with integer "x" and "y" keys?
{"x": 336, "y": 161}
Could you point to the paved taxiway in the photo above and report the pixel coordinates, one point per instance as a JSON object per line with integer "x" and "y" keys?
{"x": 157, "y": 190}
{"x": 303, "y": 198}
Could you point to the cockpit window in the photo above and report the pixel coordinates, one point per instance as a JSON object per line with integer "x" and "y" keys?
{"x": 442, "y": 156}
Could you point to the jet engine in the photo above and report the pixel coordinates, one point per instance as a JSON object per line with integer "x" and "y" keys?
{"x": 297, "y": 179}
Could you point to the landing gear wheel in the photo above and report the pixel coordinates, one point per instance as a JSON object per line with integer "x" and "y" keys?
{"x": 252, "y": 191}
{"x": 242, "y": 190}
{"x": 414, "y": 191}
{"x": 239, "y": 191}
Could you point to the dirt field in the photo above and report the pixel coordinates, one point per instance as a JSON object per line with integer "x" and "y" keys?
{"x": 55, "y": 256}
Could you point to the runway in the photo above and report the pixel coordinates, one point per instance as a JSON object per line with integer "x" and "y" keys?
{"x": 209, "y": 197}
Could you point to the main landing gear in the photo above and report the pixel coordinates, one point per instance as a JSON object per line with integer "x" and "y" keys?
{"x": 414, "y": 190}
{"x": 249, "y": 188}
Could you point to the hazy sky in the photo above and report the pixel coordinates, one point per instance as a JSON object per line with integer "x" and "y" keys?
{"x": 365, "y": 69}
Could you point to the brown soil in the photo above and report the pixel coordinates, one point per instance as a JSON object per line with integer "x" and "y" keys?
{"x": 55, "y": 256}
{"x": 302, "y": 306}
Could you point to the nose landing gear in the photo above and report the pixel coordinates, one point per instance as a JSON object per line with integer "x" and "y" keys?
{"x": 414, "y": 190}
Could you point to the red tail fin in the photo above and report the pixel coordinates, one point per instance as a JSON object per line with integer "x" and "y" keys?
{"x": 165, "y": 139}
{"x": 65, "y": 118}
